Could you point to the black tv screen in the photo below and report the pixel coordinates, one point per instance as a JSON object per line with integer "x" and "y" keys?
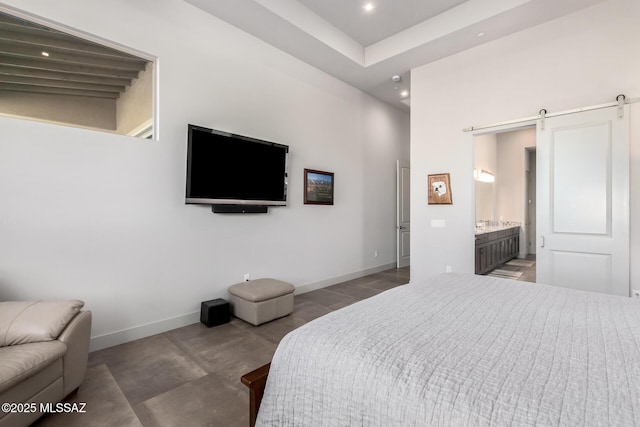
{"x": 224, "y": 168}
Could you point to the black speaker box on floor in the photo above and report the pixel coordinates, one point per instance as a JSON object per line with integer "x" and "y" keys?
{"x": 215, "y": 312}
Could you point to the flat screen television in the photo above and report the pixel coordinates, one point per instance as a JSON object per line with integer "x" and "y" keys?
{"x": 228, "y": 169}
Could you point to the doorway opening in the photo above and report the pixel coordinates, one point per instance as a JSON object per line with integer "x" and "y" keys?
{"x": 53, "y": 74}
{"x": 504, "y": 174}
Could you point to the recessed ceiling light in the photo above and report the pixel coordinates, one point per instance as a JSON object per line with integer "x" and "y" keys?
{"x": 481, "y": 34}
{"x": 404, "y": 93}
{"x": 369, "y": 7}
{"x": 45, "y": 53}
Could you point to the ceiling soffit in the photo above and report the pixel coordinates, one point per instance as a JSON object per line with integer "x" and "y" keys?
{"x": 298, "y": 30}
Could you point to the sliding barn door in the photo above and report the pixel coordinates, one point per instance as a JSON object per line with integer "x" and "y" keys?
{"x": 583, "y": 201}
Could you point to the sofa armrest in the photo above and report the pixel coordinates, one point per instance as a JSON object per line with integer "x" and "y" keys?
{"x": 74, "y": 363}
{"x": 23, "y": 322}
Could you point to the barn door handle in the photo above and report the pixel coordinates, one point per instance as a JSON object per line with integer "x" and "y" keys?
{"x": 401, "y": 227}
{"x": 542, "y": 241}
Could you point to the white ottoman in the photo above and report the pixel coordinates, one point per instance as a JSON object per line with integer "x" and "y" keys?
{"x": 261, "y": 300}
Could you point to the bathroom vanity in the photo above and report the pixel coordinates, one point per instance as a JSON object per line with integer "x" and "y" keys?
{"x": 496, "y": 245}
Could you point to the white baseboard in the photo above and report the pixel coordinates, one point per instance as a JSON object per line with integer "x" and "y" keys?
{"x": 344, "y": 278}
{"x": 120, "y": 337}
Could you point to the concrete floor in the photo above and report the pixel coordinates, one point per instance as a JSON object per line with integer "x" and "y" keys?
{"x": 528, "y": 272}
{"x": 191, "y": 376}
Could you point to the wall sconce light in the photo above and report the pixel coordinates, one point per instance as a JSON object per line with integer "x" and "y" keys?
{"x": 483, "y": 176}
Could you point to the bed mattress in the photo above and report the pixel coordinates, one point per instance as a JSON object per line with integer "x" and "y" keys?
{"x": 462, "y": 350}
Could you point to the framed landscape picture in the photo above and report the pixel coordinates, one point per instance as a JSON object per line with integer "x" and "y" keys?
{"x": 318, "y": 187}
{"x": 439, "y": 189}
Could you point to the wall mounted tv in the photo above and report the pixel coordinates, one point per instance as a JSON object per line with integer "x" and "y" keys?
{"x": 235, "y": 173}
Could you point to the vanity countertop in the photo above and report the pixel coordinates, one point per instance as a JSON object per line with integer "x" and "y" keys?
{"x": 492, "y": 228}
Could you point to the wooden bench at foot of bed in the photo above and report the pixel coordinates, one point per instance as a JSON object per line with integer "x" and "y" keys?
{"x": 256, "y": 381}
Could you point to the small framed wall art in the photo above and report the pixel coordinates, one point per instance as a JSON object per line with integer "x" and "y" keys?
{"x": 318, "y": 187}
{"x": 439, "y": 188}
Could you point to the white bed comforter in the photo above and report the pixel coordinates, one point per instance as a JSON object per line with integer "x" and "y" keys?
{"x": 462, "y": 350}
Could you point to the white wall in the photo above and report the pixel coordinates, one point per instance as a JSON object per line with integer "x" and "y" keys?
{"x": 584, "y": 59}
{"x": 511, "y": 188}
{"x": 98, "y": 113}
{"x": 512, "y": 166}
{"x": 486, "y": 158}
{"x": 102, "y": 218}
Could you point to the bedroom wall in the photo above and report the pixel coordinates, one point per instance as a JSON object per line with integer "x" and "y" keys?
{"x": 583, "y": 59}
{"x": 101, "y": 217}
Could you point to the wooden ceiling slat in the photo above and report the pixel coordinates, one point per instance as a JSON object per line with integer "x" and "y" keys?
{"x": 57, "y": 75}
{"x": 57, "y": 91}
{"x": 57, "y": 55}
{"x": 74, "y": 66}
{"x": 69, "y": 44}
{"x": 18, "y": 21}
{"x": 70, "y": 68}
{"x": 32, "y": 81}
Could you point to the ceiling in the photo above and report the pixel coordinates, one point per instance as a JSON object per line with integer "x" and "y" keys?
{"x": 365, "y": 49}
{"x": 388, "y": 18}
{"x": 37, "y": 59}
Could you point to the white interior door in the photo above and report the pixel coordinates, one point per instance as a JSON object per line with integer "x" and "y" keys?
{"x": 403, "y": 227}
{"x": 583, "y": 201}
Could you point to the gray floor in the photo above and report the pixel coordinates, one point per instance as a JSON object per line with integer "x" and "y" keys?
{"x": 528, "y": 273}
{"x": 191, "y": 376}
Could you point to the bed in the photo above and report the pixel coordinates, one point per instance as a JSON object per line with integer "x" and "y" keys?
{"x": 462, "y": 350}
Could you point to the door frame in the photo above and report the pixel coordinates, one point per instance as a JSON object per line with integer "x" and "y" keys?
{"x": 508, "y": 127}
{"x": 530, "y": 213}
{"x": 401, "y": 261}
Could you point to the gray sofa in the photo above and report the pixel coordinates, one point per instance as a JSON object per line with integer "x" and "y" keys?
{"x": 44, "y": 347}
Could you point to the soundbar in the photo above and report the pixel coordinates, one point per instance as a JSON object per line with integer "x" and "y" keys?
{"x": 239, "y": 209}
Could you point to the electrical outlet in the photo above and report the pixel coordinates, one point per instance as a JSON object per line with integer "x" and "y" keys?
{"x": 448, "y": 269}
{"x": 247, "y": 277}
{"x": 375, "y": 254}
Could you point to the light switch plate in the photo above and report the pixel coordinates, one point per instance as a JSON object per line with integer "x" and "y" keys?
{"x": 437, "y": 223}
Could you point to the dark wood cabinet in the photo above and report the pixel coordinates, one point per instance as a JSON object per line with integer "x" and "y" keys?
{"x": 495, "y": 248}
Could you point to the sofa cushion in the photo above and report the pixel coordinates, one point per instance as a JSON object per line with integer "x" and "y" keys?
{"x": 22, "y": 361}
{"x": 23, "y": 322}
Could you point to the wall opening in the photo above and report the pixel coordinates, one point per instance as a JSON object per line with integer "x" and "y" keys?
{"x": 67, "y": 77}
